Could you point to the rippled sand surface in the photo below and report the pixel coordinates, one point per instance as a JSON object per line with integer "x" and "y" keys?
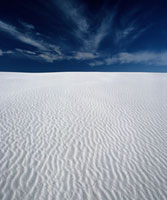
{"x": 83, "y": 136}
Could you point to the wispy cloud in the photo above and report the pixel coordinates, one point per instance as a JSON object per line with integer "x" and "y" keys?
{"x": 50, "y": 52}
{"x": 45, "y": 51}
{"x": 94, "y": 39}
{"x": 124, "y": 37}
{"x": 96, "y": 63}
{"x": 91, "y": 37}
{"x": 129, "y": 28}
{"x": 28, "y": 39}
{"x": 27, "y": 26}
{"x": 145, "y": 57}
{"x": 90, "y": 34}
{"x": 8, "y": 28}
{"x": 125, "y": 32}
{"x": 49, "y": 57}
{"x": 74, "y": 14}
{"x": 85, "y": 56}
{"x": 20, "y": 36}
{"x": 1, "y": 52}
{"x": 25, "y": 51}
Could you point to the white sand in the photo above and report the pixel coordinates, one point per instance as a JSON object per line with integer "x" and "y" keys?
{"x": 83, "y": 136}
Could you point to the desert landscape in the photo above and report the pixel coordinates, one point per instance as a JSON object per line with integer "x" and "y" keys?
{"x": 83, "y": 136}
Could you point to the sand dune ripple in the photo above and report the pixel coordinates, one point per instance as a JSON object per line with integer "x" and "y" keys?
{"x": 84, "y": 136}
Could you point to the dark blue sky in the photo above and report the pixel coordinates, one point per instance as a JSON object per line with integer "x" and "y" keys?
{"x": 83, "y": 35}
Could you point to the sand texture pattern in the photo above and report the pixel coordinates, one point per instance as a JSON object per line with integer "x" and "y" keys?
{"x": 83, "y": 136}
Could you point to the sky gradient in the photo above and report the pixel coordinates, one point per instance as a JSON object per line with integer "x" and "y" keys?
{"x": 83, "y": 35}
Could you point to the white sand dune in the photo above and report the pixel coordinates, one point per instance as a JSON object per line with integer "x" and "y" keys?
{"x": 83, "y": 136}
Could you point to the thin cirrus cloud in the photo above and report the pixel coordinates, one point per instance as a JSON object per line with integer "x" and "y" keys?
{"x": 48, "y": 57}
{"x": 128, "y": 31}
{"x": 73, "y": 13}
{"x": 85, "y": 55}
{"x": 27, "y": 26}
{"x": 146, "y": 57}
{"x": 2, "y": 52}
{"x": 93, "y": 41}
{"x": 27, "y": 39}
{"x": 130, "y": 28}
{"x": 45, "y": 51}
{"x": 90, "y": 33}
{"x": 90, "y": 38}
{"x": 20, "y": 36}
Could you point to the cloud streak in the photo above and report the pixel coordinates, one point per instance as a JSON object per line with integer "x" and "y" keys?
{"x": 146, "y": 57}
{"x": 90, "y": 34}
{"x": 85, "y": 56}
{"x": 11, "y": 30}
{"x": 28, "y": 39}
{"x": 123, "y": 33}
{"x": 2, "y": 52}
{"x": 94, "y": 39}
{"x": 74, "y": 14}
{"x": 46, "y": 51}
{"x": 27, "y": 26}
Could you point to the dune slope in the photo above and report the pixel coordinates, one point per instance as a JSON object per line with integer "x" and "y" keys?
{"x": 83, "y": 136}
